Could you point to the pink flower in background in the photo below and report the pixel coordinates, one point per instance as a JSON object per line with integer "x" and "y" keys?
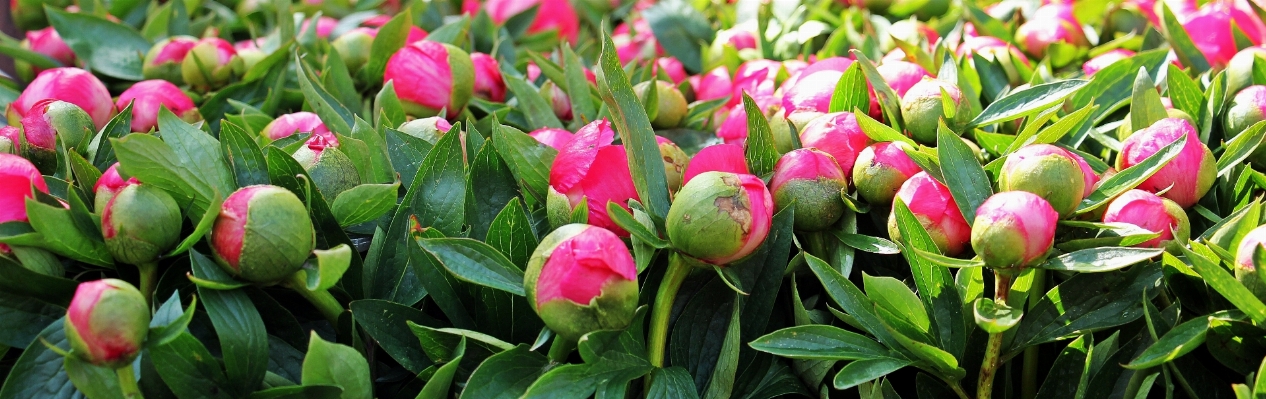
{"x": 149, "y": 96}
{"x": 298, "y": 122}
{"x": 17, "y": 176}
{"x": 671, "y": 67}
{"x": 1104, "y": 60}
{"x": 555, "y": 15}
{"x": 47, "y": 42}
{"x": 72, "y": 85}
{"x": 430, "y": 76}
{"x": 713, "y": 85}
{"x": 1213, "y": 22}
{"x": 488, "y": 82}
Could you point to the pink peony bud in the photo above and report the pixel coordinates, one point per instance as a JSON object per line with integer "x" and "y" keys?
{"x": 165, "y": 58}
{"x": 717, "y": 158}
{"x": 551, "y": 15}
{"x": 756, "y": 78}
{"x": 811, "y": 94}
{"x": 934, "y": 207}
{"x": 1045, "y": 170}
{"x": 332, "y": 171}
{"x": 298, "y": 122}
{"x": 1187, "y": 177}
{"x": 590, "y": 168}
{"x": 671, "y": 67}
{"x": 353, "y": 47}
{"x": 636, "y": 42}
{"x": 1213, "y": 22}
{"x": 107, "y": 322}
{"x": 50, "y": 120}
{"x": 431, "y": 76}
{"x": 49, "y": 43}
{"x": 901, "y": 75}
{"x": 1104, "y": 60}
{"x": 553, "y": 137}
{"x": 72, "y": 85}
{"x": 720, "y": 217}
{"x": 140, "y": 223}
{"x": 263, "y": 234}
{"x": 1036, "y": 35}
{"x": 1151, "y": 213}
{"x": 733, "y": 129}
{"x": 880, "y": 171}
{"x": 742, "y": 39}
{"x": 429, "y": 129}
{"x": 324, "y": 26}
{"x": 1013, "y": 229}
{"x": 809, "y": 180}
{"x": 149, "y": 95}
{"x": 837, "y": 134}
{"x": 211, "y": 64}
{"x": 108, "y": 185}
{"x": 17, "y": 176}
{"x": 10, "y": 140}
{"x": 488, "y": 82}
{"x": 715, "y": 84}
{"x": 1247, "y": 108}
{"x": 671, "y": 104}
{"x": 1249, "y": 244}
{"x": 558, "y": 100}
{"x": 922, "y": 109}
{"x": 581, "y": 279}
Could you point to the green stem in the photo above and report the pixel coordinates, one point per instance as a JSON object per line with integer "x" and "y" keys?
{"x": 678, "y": 268}
{"x": 1028, "y": 380}
{"x": 561, "y": 349}
{"x": 127, "y": 382}
{"x": 321, "y": 299}
{"x": 993, "y": 351}
{"x": 958, "y": 389}
{"x": 149, "y": 280}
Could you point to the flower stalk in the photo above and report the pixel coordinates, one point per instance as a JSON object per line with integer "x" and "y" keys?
{"x": 993, "y": 350}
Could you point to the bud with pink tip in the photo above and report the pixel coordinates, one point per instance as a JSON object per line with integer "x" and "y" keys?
{"x": 1245, "y": 261}
{"x": 671, "y": 105}
{"x": 17, "y": 177}
{"x": 1013, "y": 229}
{"x": 332, "y": 171}
{"x": 837, "y": 134}
{"x": 901, "y": 75}
{"x": 581, "y": 279}
{"x": 353, "y": 47}
{"x": 1045, "y": 170}
{"x": 922, "y": 109}
{"x": 147, "y": 97}
{"x": 1247, "y": 108}
{"x": 1038, "y": 34}
{"x": 880, "y": 171}
{"x": 107, "y": 323}
{"x": 589, "y": 168}
{"x": 263, "y": 234}
{"x": 559, "y": 102}
{"x": 1104, "y": 60}
{"x": 431, "y": 76}
{"x": 994, "y": 49}
{"x": 715, "y": 84}
{"x": 1216, "y": 39}
{"x": 488, "y": 82}
{"x": 811, "y": 95}
{"x": 1188, "y": 176}
{"x": 1239, "y": 71}
{"x": 140, "y": 223}
{"x": 809, "y": 180}
{"x": 164, "y": 59}
{"x": 1088, "y": 174}
{"x": 10, "y": 140}
{"x": 553, "y": 137}
{"x": 934, "y": 208}
{"x": 430, "y": 129}
{"x": 50, "y": 120}
{"x": 1152, "y": 213}
{"x": 72, "y": 85}
{"x": 46, "y": 42}
{"x": 717, "y": 158}
{"x": 108, "y": 185}
{"x": 551, "y": 15}
{"x": 298, "y": 122}
{"x": 672, "y": 68}
{"x": 720, "y": 217}
{"x": 211, "y": 64}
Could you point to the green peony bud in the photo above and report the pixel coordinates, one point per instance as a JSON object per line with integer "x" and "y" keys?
{"x": 140, "y": 223}
{"x": 922, "y": 109}
{"x": 720, "y": 217}
{"x": 810, "y": 181}
{"x": 263, "y": 234}
{"x": 671, "y": 105}
{"x": 331, "y": 170}
{"x": 107, "y": 323}
{"x": 1045, "y": 170}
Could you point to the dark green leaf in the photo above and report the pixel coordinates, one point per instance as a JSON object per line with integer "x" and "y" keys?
{"x": 243, "y": 155}
{"x": 681, "y": 29}
{"x": 672, "y": 383}
{"x": 439, "y": 189}
{"x": 1027, "y": 102}
{"x": 507, "y": 375}
{"x": 97, "y": 382}
{"x": 243, "y": 340}
{"x": 475, "y": 262}
{"x": 1102, "y": 259}
{"x": 528, "y": 159}
{"x": 334, "y": 114}
{"x": 385, "y": 322}
{"x": 1086, "y": 302}
{"x": 364, "y": 203}
{"x": 1180, "y": 340}
{"x": 107, "y": 47}
{"x": 338, "y": 365}
{"x": 759, "y": 150}
{"x": 538, "y": 110}
{"x": 189, "y": 370}
{"x": 24, "y": 318}
{"x": 1186, "y": 50}
{"x": 859, "y": 371}
{"x": 634, "y": 127}
{"x": 966, "y": 179}
{"x": 819, "y": 342}
{"x": 1224, "y": 283}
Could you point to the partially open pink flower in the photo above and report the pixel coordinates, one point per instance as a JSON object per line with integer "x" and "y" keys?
{"x": 488, "y": 82}
{"x": 1213, "y": 22}
{"x": 17, "y": 176}
{"x": 1104, "y": 60}
{"x": 756, "y": 78}
{"x": 809, "y": 180}
{"x": 149, "y": 96}
{"x": 1244, "y": 254}
{"x": 551, "y": 15}
{"x": 1151, "y": 213}
{"x": 717, "y": 158}
{"x": 590, "y": 168}
{"x": 712, "y": 85}
{"x": 880, "y": 171}
{"x": 1013, "y": 229}
{"x": 671, "y": 67}
{"x": 556, "y": 138}
{"x": 47, "y": 42}
{"x": 934, "y": 207}
{"x": 720, "y": 217}
{"x": 1188, "y": 176}
{"x": 298, "y": 122}
{"x": 839, "y": 135}
{"x": 72, "y": 85}
{"x": 430, "y": 76}
{"x": 582, "y": 279}
{"x": 107, "y": 322}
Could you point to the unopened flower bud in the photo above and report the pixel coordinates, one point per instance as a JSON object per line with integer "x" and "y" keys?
{"x": 108, "y": 185}
{"x": 1045, "y": 170}
{"x": 164, "y": 59}
{"x": 331, "y": 170}
{"x": 107, "y": 322}
{"x": 671, "y": 105}
{"x": 428, "y": 129}
{"x": 1152, "y": 213}
{"x": 1013, "y": 229}
{"x": 720, "y": 217}
{"x": 49, "y": 120}
{"x": 72, "y": 85}
{"x": 210, "y": 64}
{"x": 431, "y": 76}
{"x": 932, "y": 205}
{"x": 263, "y": 234}
{"x": 488, "y": 82}
{"x": 837, "y": 134}
{"x": 880, "y": 171}
{"x": 922, "y": 109}
{"x": 675, "y": 161}
{"x": 147, "y": 97}
{"x": 717, "y": 158}
{"x": 46, "y": 42}
{"x": 581, "y": 279}
{"x": 140, "y": 223}
{"x": 1187, "y": 177}
{"x": 353, "y": 47}
{"x": 809, "y": 180}
{"x": 558, "y": 100}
